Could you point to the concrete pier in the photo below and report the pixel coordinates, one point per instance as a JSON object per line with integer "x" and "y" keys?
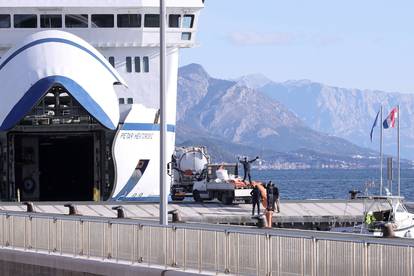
{"x": 304, "y": 214}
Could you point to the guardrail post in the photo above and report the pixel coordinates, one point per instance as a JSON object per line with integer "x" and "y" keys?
{"x": 216, "y": 266}
{"x": 6, "y": 230}
{"x": 166, "y": 247}
{"x": 185, "y": 249}
{"x": 268, "y": 261}
{"x": 11, "y": 220}
{"x": 28, "y": 234}
{"x": 134, "y": 244}
{"x": 410, "y": 261}
{"x": 302, "y": 245}
{"x": 82, "y": 238}
{"x": 55, "y": 247}
{"x": 199, "y": 250}
{"x": 238, "y": 253}
{"x": 25, "y": 234}
{"x": 174, "y": 246}
{"x": 110, "y": 243}
{"x": 103, "y": 240}
{"x": 315, "y": 257}
{"x": 140, "y": 242}
{"x": 366, "y": 268}
{"x": 117, "y": 242}
{"x": 257, "y": 242}
{"x": 227, "y": 253}
{"x": 89, "y": 240}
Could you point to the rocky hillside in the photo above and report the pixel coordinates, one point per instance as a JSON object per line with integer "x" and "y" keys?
{"x": 346, "y": 113}
{"x": 234, "y": 115}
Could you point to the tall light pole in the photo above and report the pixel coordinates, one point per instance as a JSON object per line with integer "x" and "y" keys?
{"x": 163, "y": 123}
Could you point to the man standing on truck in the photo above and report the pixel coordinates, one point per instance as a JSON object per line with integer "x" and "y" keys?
{"x": 246, "y": 167}
{"x": 256, "y": 199}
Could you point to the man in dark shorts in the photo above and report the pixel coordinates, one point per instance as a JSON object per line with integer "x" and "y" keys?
{"x": 256, "y": 198}
{"x": 276, "y": 197}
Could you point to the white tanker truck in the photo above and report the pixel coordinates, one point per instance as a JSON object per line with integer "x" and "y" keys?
{"x": 187, "y": 166}
{"x": 193, "y": 175}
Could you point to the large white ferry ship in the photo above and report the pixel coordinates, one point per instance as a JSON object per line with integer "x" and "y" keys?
{"x": 79, "y": 90}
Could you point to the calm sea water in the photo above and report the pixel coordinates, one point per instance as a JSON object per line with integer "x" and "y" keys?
{"x": 331, "y": 183}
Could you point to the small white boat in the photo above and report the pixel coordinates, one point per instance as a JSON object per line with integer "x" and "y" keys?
{"x": 388, "y": 216}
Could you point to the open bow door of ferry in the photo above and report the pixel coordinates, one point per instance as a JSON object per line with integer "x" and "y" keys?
{"x": 57, "y": 152}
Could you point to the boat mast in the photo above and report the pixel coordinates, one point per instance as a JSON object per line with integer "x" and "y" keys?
{"x": 398, "y": 149}
{"x": 163, "y": 124}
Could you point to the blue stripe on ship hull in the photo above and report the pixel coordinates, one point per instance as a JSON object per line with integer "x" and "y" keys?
{"x": 146, "y": 127}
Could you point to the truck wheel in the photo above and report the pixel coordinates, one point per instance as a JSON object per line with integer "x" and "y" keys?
{"x": 227, "y": 200}
{"x": 177, "y": 198}
{"x": 197, "y": 197}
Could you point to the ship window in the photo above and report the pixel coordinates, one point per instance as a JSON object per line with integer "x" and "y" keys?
{"x": 102, "y": 20}
{"x": 188, "y": 21}
{"x": 112, "y": 61}
{"x": 152, "y": 21}
{"x": 186, "y": 36}
{"x": 129, "y": 64}
{"x": 51, "y": 21}
{"x": 76, "y": 21}
{"x": 5, "y": 21}
{"x": 130, "y": 100}
{"x": 145, "y": 60}
{"x": 137, "y": 62}
{"x": 121, "y": 101}
{"x": 25, "y": 21}
{"x": 129, "y": 20}
{"x": 174, "y": 21}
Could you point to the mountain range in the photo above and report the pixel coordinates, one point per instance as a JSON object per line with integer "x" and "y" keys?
{"x": 346, "y": 113}
{"x": 256, "y": 116}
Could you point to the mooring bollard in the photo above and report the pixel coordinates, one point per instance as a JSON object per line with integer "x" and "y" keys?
{"x": 119, "y": 211}
{"x": 175, "y": 215}
{"x": 72, "y": 209}
{"x": 388, "y": 231}
{"x": 261, "y": 221}
{"x": 29, "y": 207}
{"x": 353, "y": 194}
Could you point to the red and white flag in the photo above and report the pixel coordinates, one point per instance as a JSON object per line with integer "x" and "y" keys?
{"x": 390, "y": 120}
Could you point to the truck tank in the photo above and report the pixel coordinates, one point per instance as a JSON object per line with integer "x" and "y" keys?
{"x": 187, "y": 166}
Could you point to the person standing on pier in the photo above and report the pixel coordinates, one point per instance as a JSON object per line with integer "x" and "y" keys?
{"x": 246, "y": 167}
{"x": 256, "y": 199}
{"x": 276, "y": 197}
{"x": 270, "y": 197}
{"x": 270, "y": 204}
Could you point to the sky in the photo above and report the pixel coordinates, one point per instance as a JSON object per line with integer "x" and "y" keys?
{"x": 353, "y": 44}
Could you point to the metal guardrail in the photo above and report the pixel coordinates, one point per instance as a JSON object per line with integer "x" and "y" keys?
{"x": 207, "y": 249}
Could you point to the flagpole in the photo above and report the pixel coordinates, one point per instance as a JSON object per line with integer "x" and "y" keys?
{"x": 163, "y": 118}
{"x": 381, "y": 161}
{"x": 398, "y": 150}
